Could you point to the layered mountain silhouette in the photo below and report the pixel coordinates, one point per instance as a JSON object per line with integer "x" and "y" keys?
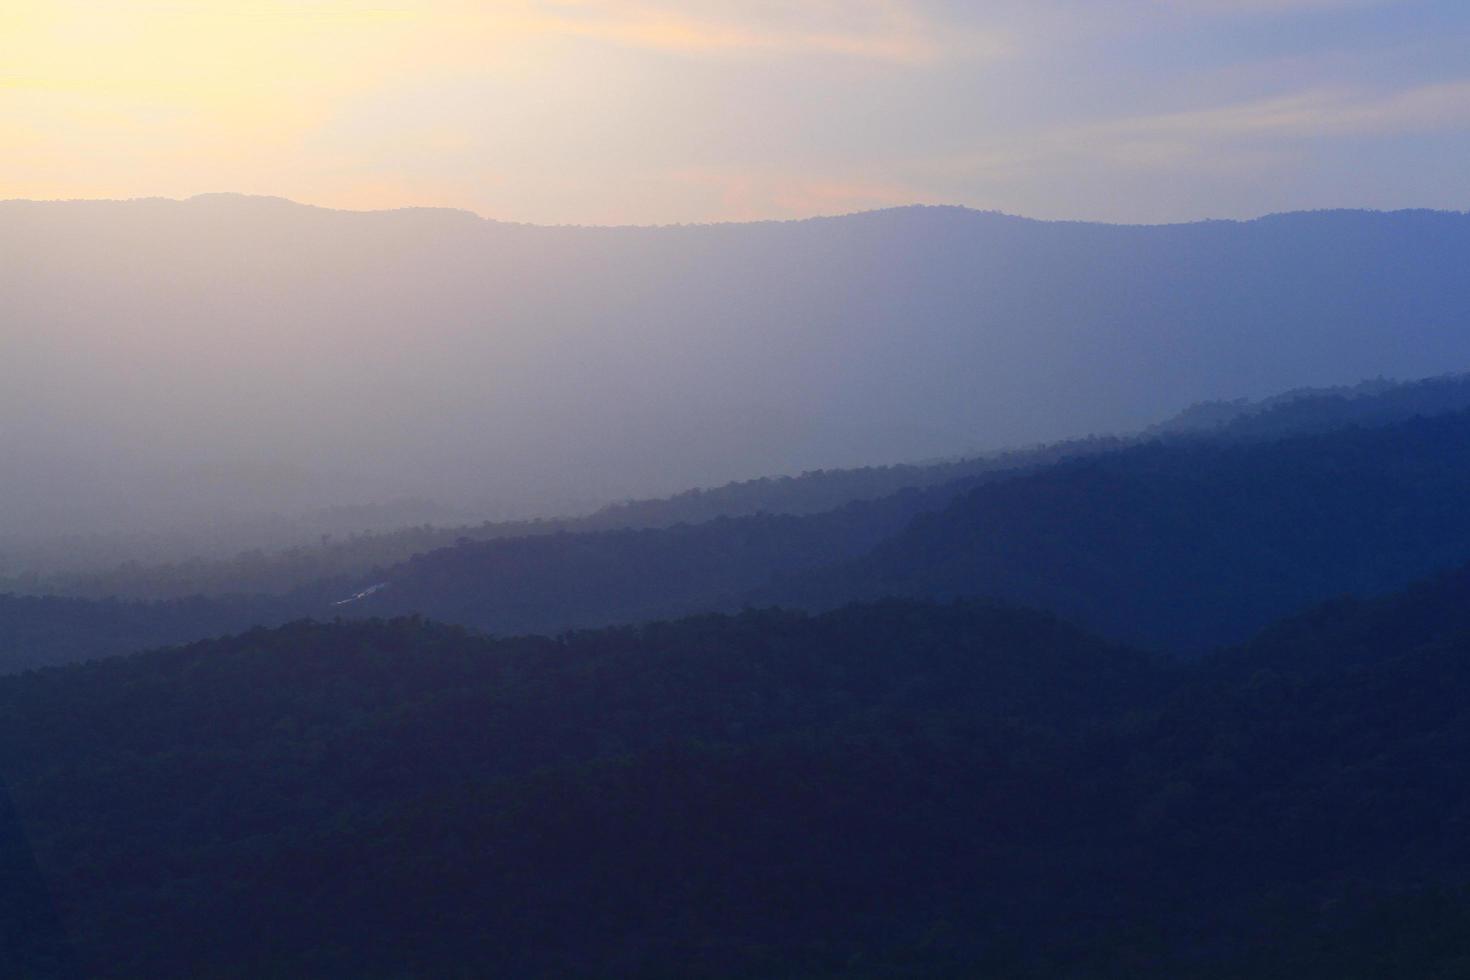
{"x": 1180, "y": 543}
{"x": 169, "y": 361}
{"x": 1192, "y": 536}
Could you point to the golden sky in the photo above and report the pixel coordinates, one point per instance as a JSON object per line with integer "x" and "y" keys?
{"x": 646, "y": 111}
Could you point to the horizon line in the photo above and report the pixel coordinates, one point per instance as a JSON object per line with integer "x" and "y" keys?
{"x": 914, "y": 206}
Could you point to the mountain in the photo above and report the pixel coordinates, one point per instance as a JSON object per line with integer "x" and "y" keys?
{"x": 1180, "y": 542}
{"x": 1306, "y": 410}
{"x": 380, "y": 799}
{"x": 552, "y": 582}
{"x": 579, "y": 572}
{"x": 895, "y": 789}
{"x": 545, "y": 581}
{"x": 1191, "y": 545}
{"x": 173, "y": 362}
{"x": 41, "y": 631}
{"x": 263, "y": 571}
{"x": 33, "y": 943}
{"x": 1012, "y": 529}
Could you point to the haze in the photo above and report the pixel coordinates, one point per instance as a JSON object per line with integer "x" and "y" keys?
{"x": 231, "y": 356}
{"x": 181, "y": 356}
{"x": 650, "y": 111}
{"x": 734, "y": 488}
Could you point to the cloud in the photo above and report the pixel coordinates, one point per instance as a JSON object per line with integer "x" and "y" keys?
{"x": 881, "y": 30}
{"x": 1306, "y": 114}
{"x": 1266, "y": 6}
{"x": 1223, "y": 136}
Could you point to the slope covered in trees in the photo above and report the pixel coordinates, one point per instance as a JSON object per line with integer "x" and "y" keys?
{"x": 1185, "y": 546}
{"x": 1095, "y": 528}
{"x": 377, "y": 798}
{"x": 539, "y": 582}
{"x": 559, "y": 581}
{"x": 356, "y": 554}
{"x": 1307, "y": 410}
{"x": 40, "y": 631}
{"x": 263, "y": 571}
{"x": 887, "y": 790}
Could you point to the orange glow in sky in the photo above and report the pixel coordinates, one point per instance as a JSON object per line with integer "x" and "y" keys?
{"x": 651, "y": 111}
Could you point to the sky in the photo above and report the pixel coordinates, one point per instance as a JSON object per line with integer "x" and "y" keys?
{"x": 657, "y": 112}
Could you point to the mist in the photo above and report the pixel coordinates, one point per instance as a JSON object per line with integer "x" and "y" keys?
{"x": 225, "y": 358}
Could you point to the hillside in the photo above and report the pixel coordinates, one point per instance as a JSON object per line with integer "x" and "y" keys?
{"x": 264, "y": 570}
{"x": 1306, "y": 410}
{"x": 889, "y": 790}
{"x": 42, "y": 631}
{"x": 487, "y": 805}
{"x": 559, "y": 581}
{"x": 1187, "y": 546}
{"x": 1096, "y": 528}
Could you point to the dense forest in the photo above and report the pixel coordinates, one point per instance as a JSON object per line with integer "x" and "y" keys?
{"x": 276, "y": 572}
{"x": 1175, "y": 544}
{"x": 356, "y": 554}
{"x": 1188, "y": 546}
{"x": 37, "y": 631}
{"x": 931, "y": 782}
{"x": 585, "y": 492}
{"x": 1096, "y": 529}
{"x": 895, "y": 789}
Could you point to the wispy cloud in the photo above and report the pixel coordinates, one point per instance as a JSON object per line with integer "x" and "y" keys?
{"x": 883, "y": 30}
{"x": 1224, "y": 135}
{"x": 660, "y": 110}
{"x": 1266, "y": 6}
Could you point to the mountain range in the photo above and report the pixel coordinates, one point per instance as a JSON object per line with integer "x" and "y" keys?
{"x": 170, "y": 363}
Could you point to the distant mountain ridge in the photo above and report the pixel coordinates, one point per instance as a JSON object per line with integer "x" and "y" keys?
{"x": 514, "y": 371}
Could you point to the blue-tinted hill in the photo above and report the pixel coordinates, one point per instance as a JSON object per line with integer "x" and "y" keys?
{"x": 321, "y": 358}
{"x": 896, "y": 789}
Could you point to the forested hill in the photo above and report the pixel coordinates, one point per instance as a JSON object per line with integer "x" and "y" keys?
{"x": 1181, "y": 544}
{"x": 1183, "y": 541}
{"x": 552, "y": 582}
{"x": 1307, "y": 410}
{"x": 41, "y": 631}
{"x": 277, "y": 572}
{"x": 888, "y": 790}
{"x": 385, "y": 799}
{"x": 354, "y": 556}
{"x": 536, "y": 583}
{"x": 1188, "y": 546}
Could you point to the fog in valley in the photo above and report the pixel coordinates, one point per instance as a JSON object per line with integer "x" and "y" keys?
{"x": 251, "y": 370}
